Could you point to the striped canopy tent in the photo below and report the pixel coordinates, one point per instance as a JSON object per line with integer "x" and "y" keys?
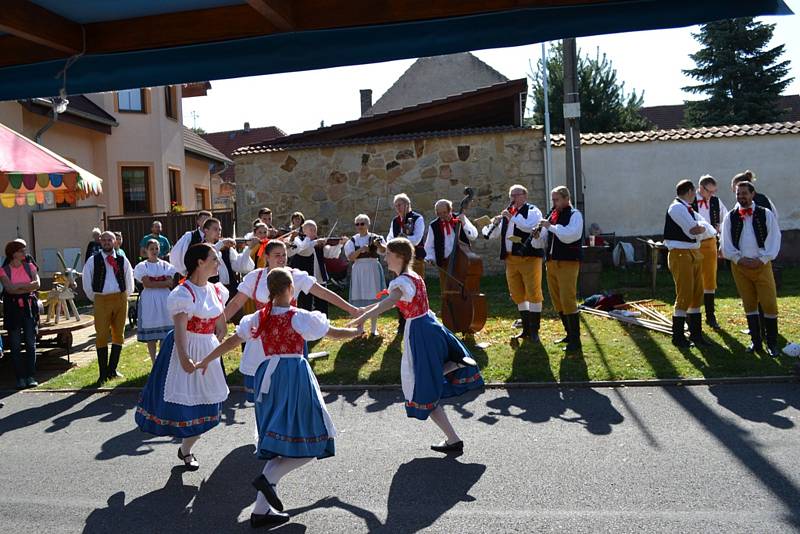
{"x": 31, "y": 174}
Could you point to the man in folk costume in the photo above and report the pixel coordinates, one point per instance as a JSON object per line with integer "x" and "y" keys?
{"x": 440, "y": 240}
{"x": 564, "y": 227}
{"x": 709, "y": 206}
{"x": 683, "y": 228}
{"x": 309, "y": 255}
{"x": 411, "y": 225}
{"x": 107, "y": 281}
{"x": 523, "y": 254}
{"x": 751, "y": 239}
{"x": 231, "y": 262}
{"x": 264, "y": 216}
{"x": 188, "y": 239}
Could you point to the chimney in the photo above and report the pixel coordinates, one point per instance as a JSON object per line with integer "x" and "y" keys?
{"x": 247, "y": 127}
{"x": 366, "y": 100}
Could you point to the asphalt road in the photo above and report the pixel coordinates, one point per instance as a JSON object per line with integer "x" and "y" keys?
{"x": 677, "y": 459}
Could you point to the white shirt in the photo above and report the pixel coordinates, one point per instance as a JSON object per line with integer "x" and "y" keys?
{"x": 526, "y": 224}
{"x": 748, "y": 246}
{"x": 239, "y": 263}
{"x": 705, "y": 212}
{"x": 416, "y": 237}
{"x": 110, "y": 283}
{"x": 179, "y": 251}
{"x": 679, "y": 212}
{"x": 362, "y": 241}
{"x": 302, "y": 281}
{"x": 449, "y": 239}
{"x": 570, "y": 233}
{"x": 305, "y": 247}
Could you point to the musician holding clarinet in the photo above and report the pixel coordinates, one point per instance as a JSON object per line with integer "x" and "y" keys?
{"x": 523, "y": 254}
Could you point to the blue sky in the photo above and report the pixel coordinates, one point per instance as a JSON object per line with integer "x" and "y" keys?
{"x": 646, "y": 61}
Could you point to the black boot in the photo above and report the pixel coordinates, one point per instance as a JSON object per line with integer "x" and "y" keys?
{"x": 754, "y": 329}
{"x": 678, "y": 336}
{"x": 573, "y": 333}
{"x": 113, "y": 361}
{"x": 534, "y": 322}
{"x": 564, "y": 339}
{"x": 762, "y": 322}
{"x": 711, "y": 317}
{"x": 526, "y": 326}
{"x": 771, "y": 326}
{"x": 102, "y": 363}
{"x": 695, "y": 321}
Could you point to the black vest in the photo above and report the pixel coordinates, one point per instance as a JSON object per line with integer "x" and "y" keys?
{"x": 673, "y": 232}
{"x": 557, "y": 249}
{"x": 713, "y": 210}
{"x": 306, "y": 263}
{"x": 408, "y": 229}
{"x": 762, "y": 200}
{"x": 99, "y": 274}
{"x": 438, "y": 240}
{"x": 524, "y": 247}
{"x": 759, "y": 225}
{"x": 373, "y": 250}
{"x": 196, "y": 238}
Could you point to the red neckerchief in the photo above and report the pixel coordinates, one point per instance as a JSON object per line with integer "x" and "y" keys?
{"x": 114, "y": 265}
{"x": 262, "y": 247}
{"x": 554, "y": 217}
{"x": 448, "y": 226}
{"x": 702, "y": 202}
{"x": 512, "y": 210}
{"x": 746, "y": 212}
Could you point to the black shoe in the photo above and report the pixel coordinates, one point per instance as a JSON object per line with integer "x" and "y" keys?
{"x": 534, "y": 322}
{"x": 771, "y": 326}
{"x": 709, "y": 304}
{"x": 573, "y": 333}
{"x": 754, "y": 330}
{"x": 189, "y": 460}
{"x": 448, "y": 448}
{"x": 102, "y": 364}
{"x": 695, "y": 321}
{"x": 113, "y": 361}
{"x": 678, "y": 336}
{"x": 268, "y": 519}
{"x": 526, "y": 326}
{"x": 268, "y": 491}
{"x": 564, "y": 339}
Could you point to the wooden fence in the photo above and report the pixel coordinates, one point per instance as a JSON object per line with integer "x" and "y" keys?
{"x": 174, "y": 225}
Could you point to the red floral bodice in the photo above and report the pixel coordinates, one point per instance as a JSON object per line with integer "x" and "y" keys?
{"x": 276, "y": 333}
{"x": 258, "y": 303}
{"x": 198, "y": 325}
{"x": 419, "y": 304}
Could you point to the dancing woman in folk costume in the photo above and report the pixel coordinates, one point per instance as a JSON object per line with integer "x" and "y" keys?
{"x": 293, "y": 423}
{"x": 435, "y": 364}
{"x": 177, "y": 400}
{"x": 363, "y": 250}
{"x": 254, "y": 288}
{"x": 156, "y": 275}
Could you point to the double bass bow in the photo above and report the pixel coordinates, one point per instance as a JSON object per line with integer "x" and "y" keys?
{"x": 463, "y": 305}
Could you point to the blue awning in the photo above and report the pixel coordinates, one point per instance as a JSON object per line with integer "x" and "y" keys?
{"x": 314, "y": 49}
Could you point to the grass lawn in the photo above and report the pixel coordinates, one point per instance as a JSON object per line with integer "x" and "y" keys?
{"x": 611, "y": 350}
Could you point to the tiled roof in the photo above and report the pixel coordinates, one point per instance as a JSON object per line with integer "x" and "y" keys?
{"x": 683, "y": 134}
{"x": 671, "y": 117}
{"x": 227, "y": 142}
{"x": 195, "y": 144}
{"x": 261, "y": 149}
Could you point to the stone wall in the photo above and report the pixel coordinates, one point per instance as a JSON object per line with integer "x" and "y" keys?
{"x": 338, "y": 182}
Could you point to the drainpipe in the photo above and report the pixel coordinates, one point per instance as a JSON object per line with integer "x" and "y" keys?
{"x": 37, "y": 138}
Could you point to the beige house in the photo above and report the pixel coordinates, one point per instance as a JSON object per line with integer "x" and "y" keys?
{"x": 135, "y": 141}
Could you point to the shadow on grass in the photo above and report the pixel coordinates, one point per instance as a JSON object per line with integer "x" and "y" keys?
{"x": 734, "y": 438}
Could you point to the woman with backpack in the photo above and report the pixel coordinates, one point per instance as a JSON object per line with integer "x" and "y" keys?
{"x": 20, "y": 281}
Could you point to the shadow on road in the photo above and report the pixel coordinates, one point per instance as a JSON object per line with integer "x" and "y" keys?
{"x": 759, "y": 403}
{"x": 32, "y": 416}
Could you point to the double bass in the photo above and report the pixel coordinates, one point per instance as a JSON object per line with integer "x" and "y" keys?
{"x": 463, "y": 304}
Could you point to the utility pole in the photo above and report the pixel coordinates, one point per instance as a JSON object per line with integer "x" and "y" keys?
{"x": 572, "y": 130}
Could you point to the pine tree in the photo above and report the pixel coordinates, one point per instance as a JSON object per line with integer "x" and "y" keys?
{"x": 604, "y": 105}
{"x": 741, "y": 78}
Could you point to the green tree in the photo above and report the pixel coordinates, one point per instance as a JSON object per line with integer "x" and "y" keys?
{"x": 605, "y": 107}
{"x": 741, "y": 78}
{"x": 198, "y": 130}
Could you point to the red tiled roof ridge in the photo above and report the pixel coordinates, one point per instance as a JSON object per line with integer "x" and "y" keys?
{"x": 243, "y": 131}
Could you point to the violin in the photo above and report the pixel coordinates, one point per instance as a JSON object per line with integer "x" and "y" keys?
{"x": 464, "y": 307}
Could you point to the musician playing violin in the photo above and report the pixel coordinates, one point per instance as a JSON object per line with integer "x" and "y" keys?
{"x": 523, "y": 255}
{"x": 441, "y": 235}
{"x": 309, "y": 255}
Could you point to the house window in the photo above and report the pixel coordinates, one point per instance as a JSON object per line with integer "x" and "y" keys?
{"x": 135, "y": 190}
{"x": 174, "y": 187}
{"x": 131, "y": 100}
{"x": 201, "y": 199}
{"x": 171, "y": 102}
